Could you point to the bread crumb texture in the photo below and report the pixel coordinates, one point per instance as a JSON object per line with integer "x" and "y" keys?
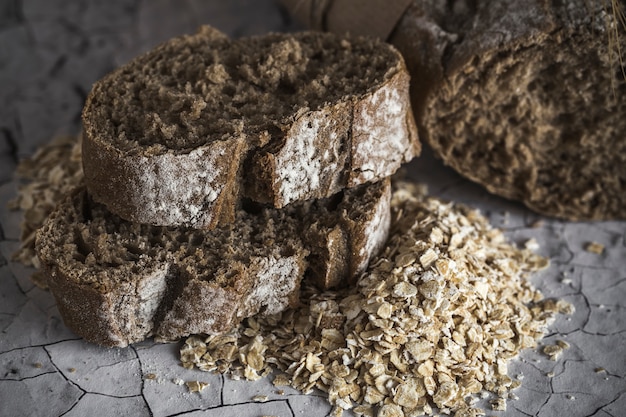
{"x": 433, "y": 323}
{"x": 199, "y": 88}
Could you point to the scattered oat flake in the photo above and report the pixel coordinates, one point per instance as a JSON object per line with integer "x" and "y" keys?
{"x": 178, "y": 381}
{"x": 553, "y": 351}
{"x": 151, "y": 376}
{"x": 564, "y": 307}
{"x": 363, "y": 410}
{"x": 38, "y": 365}
{"x": 196, "y": 386}
{"x": 281, "y": 380}
{"x": 563, "y": 344}
{"x": 71, "y": 370}
{"x": 531, "y": 244}
{"x": 260, "y": 398}
{"x": 600, "y": 371}
{"x": 498, "y": 404}
{"x": 595, "y": 247}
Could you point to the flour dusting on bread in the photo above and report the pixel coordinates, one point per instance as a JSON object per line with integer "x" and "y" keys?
{"x": 279, "y": 117}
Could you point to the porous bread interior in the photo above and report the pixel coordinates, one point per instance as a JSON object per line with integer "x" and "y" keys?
{"x": 113, "y": 250}
{"x": 325, "y": 212}
{"x": 193, "y": 90}
{"x": 540, "y": 123}
{"x": 152, "y": 278}
{"x": 99, "y": 249}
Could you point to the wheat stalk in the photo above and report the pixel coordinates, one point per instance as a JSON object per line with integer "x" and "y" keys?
{"x": 617, "y": 18}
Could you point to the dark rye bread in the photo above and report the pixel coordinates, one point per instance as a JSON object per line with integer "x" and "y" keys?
{"x": 343, "y": 237}
{"x": 181, "y": 134}
{"x": 525, "y": 98}
{"x": 117, "y": 282}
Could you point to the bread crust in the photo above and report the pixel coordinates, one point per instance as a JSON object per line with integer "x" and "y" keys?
{"x": 367, "y": 232}
{"x": 342, "y": 250}
{"x": 204, "y": 307}
{"x": 314, "y": 150}
{"x": 384, "y": 134}
{"x": 91, "y": 318}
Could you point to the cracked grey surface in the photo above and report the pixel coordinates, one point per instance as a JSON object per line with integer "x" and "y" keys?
{"x": 51, "y": 51}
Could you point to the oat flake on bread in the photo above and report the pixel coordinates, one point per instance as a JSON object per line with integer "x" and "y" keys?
{"x": 434, "y": 322}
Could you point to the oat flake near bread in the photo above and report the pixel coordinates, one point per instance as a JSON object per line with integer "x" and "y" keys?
{"x": 117, "y": 282}
{"x": 181, "y": 134}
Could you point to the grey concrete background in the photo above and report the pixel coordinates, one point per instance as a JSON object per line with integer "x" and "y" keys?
{"x": 51, "y": 51}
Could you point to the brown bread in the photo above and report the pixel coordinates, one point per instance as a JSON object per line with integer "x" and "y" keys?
{"x": 181, "y": 134}
{"x": 118, "y": 282}
{"x": 525, "y": 98}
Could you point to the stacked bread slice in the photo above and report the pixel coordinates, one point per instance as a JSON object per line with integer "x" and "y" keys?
{"x": 219, "y": 173}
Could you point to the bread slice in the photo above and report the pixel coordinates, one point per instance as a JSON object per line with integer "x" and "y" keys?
{"x": 182, "y": 134}
{"x": 342, "y": 239}
{"x": 118, "y": 282}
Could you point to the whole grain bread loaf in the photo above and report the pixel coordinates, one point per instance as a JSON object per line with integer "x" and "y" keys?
{"x": 525, "y": 98}
{"x": 117, "y": 282}
{"x": 182, "y": 134}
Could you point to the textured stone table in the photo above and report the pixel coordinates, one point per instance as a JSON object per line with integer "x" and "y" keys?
{"x": 50, "y": 53}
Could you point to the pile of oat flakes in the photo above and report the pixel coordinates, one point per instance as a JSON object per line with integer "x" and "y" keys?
{"x": 434, "y": 321}
{"x": 433, "y": 324}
